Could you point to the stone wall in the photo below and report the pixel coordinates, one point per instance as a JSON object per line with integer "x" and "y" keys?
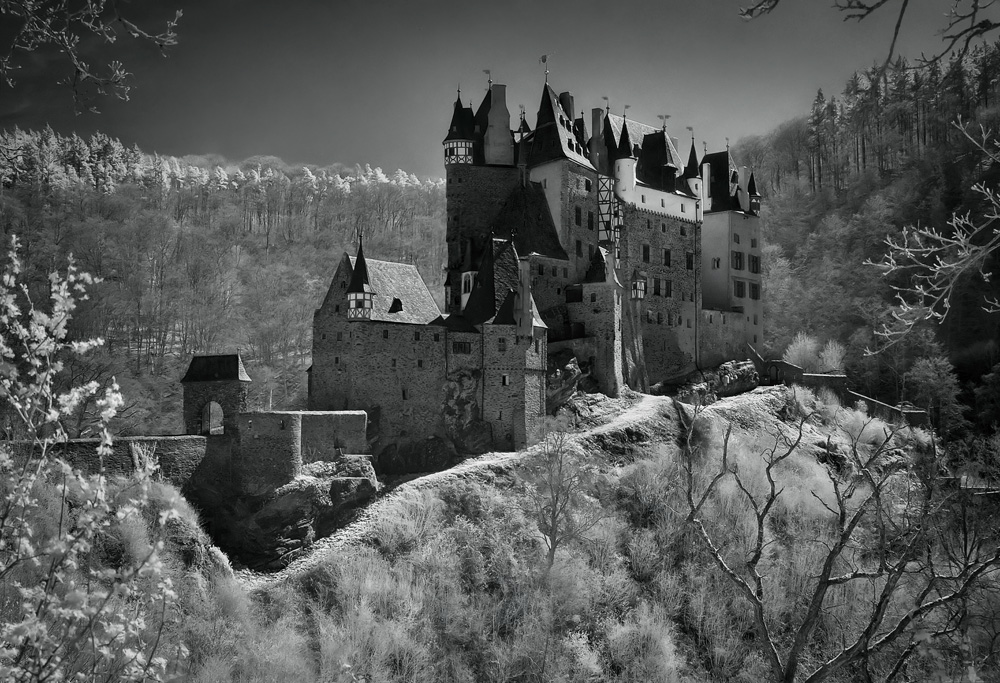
{"x": 231, "y": 395}
{"x": 600, "y": 311}
{"x": 326, "y": 433}
{"x": 722, "y": 336}
{"x": 268, "y": 452}
{"x": 178, "y": 456}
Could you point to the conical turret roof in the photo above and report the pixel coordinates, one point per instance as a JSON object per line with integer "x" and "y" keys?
{"x": 691, "y": 170}
{"x": 359, "y": 278}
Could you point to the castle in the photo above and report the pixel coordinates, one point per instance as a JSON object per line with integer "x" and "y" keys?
{"x": 603, "y": 243}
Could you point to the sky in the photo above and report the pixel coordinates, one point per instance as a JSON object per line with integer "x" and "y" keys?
{"x": 323, "y": 82}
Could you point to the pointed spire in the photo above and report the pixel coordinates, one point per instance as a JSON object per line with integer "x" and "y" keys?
{"x": 625, "y": 143}
{"x": 752, "y": 186}
{"x": 691, "y": 170}
{"x": 359, "y": 278}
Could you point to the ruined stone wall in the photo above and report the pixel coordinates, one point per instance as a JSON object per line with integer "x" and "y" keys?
{"x": 268, "y": 451}
{"x": 178, "y": 456}
{"x": 723, "y": 336}
{"x": 326, "y": 433}
{"x": 231, "y": 395}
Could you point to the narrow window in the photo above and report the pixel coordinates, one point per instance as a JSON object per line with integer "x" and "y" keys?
{"x": 385, "y": 334}
{"x": 324, "y": 336}
{"x": 663, "y": 228}
{"x": 416, "y": 336}
{"x": 666, "y": 257}
{"x": 578, "y": 218}
{"x": 668, "y": 288}
{"x": 683, "y": 210}
{"x": 437, "y": 337}
{"x": 336, "y": 360}
{"x": 684, "y": 231}
{"x": 536, "y": 346}
{"x": 340, "y": 336}
{"x": 404, "y": 395}
{"x": 754, "y": 290}
{"x": 736, "y": 238}
{"x": 555, "y": 271}
{"x": 393, "y": 362}
{"x": 645, "y": 253}
{"x": 579, "y": 248}
{"x": 565, "y": 272}
{"x": 590, "y": 219}
{"x": 689, "y": 323}
{"x": 754, "y": 318}
{"x": 336, "y": 309}
{"x": 593, "y": 298}
{"x": 739, "y": 289}
{"x": 656, "y": 287}
{"x": 586, "y": 185}
{"x": 505, "y": 380}
{"x": 590, "y": 251}
{"x": 737, "y": 260}
{"x": 689, "y": 257}
{"x": 502, "y": 344}
{"x": 420, "y": 363}
{"x": 643, "y": 199}
{"x": 753, "y": 242}
{"x": 541, "y": 269}
{"x": 663, "y": 203}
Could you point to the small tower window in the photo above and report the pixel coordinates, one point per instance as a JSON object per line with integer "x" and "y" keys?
{"x": 505, "y": 380}
{"x": 340, "y": 336}
{"x": 420, "y": 363}
{"x": 385, "y": 334}
{"x": 683, "y": 210}
{"x": 416, "y": 336}
{"x": 579, "y": 248}
{"x": 336, "y": 309}
{"x": 502, "y": 344}
{"x": 593, "y": 297}
{"x": 689, "y": 258}
{"x": 736, "y": 238}
{"x": 336, "y": 360}
{"x": 396, "y": 306}
{"x": 645, "y": 253}
{"x": 666, "y": 257}
{"x": 590, "y": 219}
{"x": 586, "y": 185}
{"x": 578, "y": 217}
{"x": 405, "y": 396}
{"x": 393, "y": 362}
{"x": 437, "y": 337}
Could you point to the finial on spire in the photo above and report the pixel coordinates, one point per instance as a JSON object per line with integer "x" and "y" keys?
{"x": 690, "y": 129}
{"x": 727, "y": 144}
{"x": 625, "y": 110}
{"x": 489, "y": 77}
{"x": 545, "y": 60}
{"x": 704, "y": 146}
{"x": 607, "y": 107}
{"x": 663, "y": 118}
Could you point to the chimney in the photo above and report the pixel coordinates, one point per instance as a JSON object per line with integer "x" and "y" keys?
{"x": 597, "y": 151}
{"x": 498, "y": 143}
{"x": 566, "y": 102}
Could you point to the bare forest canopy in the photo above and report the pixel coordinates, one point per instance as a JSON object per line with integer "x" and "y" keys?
{"x": 197, "y": 257}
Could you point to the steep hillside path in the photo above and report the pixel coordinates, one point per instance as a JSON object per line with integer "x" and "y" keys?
{"x": 642, "y": 411}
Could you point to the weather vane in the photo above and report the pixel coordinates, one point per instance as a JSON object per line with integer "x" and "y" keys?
{"x": 545, "y": 60}
{"x": 625, "y": 110}
{"x": 607, "y": 99}
{"x": 489, "y": 76}
{"x": 663, "y": 118}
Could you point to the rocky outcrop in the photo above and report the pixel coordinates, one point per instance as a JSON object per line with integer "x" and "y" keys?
{"x": 267, "y": 532}
{"x": 562, "y": 376}
{"x": 704, "y": 387}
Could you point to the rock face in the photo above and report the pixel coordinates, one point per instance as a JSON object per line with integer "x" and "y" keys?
{"x": 268, "y": 531}
{"x": 562, "y": 377}
{"x": 729, "y": 379}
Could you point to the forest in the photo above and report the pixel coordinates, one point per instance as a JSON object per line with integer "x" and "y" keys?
{"x": 198, "y": 255}
{"x": 900, "y": 146}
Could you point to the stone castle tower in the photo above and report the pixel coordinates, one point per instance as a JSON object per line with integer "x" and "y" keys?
{"x": 602, "y": 243}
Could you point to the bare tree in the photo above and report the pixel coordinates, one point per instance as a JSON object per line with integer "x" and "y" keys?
{"x": 912, "y": 550}
{"x": 66, "y": 25}
{"x": 559, "y": 505}
{"x": 965, "y": 22}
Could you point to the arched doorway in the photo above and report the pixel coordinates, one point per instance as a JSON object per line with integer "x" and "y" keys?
{"x": 212, "y": 419}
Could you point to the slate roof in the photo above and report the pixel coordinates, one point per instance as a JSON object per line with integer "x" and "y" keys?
{"x": 216, "y": 369}
{"x": 462, "y": 123}
{"x": 360, "y": 281}
{"x": 498, "y": 275}
{"x": 526, "y": 218}
{"x": 692, "y": 170}
{"x": 548, "y": 128}
{"x": 720, "y": 179}
{"x": 637, "y": 133}
{"x": 752, "y": 186}
{"x": 401, "y": 281}
{"x": 599, "y": 270}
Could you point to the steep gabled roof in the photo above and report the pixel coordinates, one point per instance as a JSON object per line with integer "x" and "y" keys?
{"x": 498, "y": 274}
{"x": 551, "y": 140}
{"x": 600, "y": 270}
{"x": 527, "y": 220}
{"x": 216, "y": 369}
{"x": 720, "y": 179}
{"x": 505, "y": 314}
{"x": 389, "y": 281}
{"x": 752, "y": 186}
{"x": 637, "y": 135}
